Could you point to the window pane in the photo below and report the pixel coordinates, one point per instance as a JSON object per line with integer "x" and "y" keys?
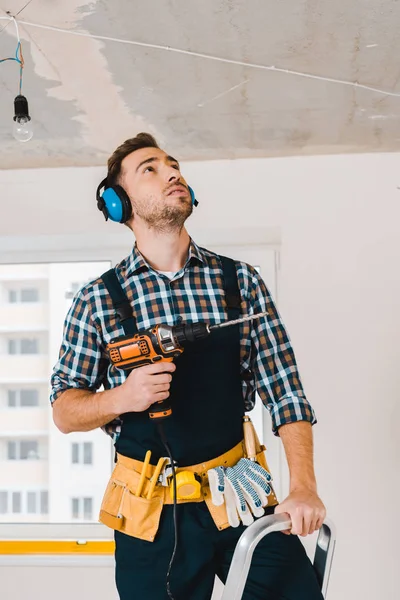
{"x": 87, "y": 509}
{"x": 30, "y": 295}
{"x": 75, "y": 508}
{"x": 12, "y": 296}
{"x": 44, "y": 503}
{"x": 29, "y": 397}
{"x": 12, "y": 346}
{"x": 3, "y": 503}
{"x": 31, "y": 502}
{"x": 29, "y": 346}
{"x": 12, "y": 397}
{"x": 87, "y": 453}
{"x": 16, "y": 502}
{"x": 29, "y": 450}
{"x": 75, "y": 453}
{"x": 11, "y": 450}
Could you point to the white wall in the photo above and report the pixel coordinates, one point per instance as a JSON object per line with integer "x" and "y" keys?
{"x": 337, "y": 218}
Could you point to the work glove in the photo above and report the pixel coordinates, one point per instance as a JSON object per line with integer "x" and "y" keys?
{"x": 244, "y": 488}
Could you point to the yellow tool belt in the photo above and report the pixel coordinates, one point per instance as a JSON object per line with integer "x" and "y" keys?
{"x": 139, "y": 516}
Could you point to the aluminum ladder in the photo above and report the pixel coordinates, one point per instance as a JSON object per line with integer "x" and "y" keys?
{"x": 252, "y": 535}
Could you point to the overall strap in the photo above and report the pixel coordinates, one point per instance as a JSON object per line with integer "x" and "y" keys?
{"x": 121, "y": 303}
{"x": 231, "y": 288}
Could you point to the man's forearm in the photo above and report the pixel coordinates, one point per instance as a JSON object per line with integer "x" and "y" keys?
{"x": 297, "y": 440}
{"x": 81, "y": 410}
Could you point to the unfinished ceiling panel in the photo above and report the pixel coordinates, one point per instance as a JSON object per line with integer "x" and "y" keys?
{"x": 211, "y": 79}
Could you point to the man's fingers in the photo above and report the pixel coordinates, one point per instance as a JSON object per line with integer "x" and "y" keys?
{"x": 313, "y": 525}
{"x": 161, "y": 387}
{"x": 309, "y": 515}
{"x": 160, "y": 367}
{"x": 297, "y": 522}
{"x": 162, "y": 379}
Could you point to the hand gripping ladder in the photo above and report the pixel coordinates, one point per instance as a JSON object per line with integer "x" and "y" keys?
{"x": 252, "y": 535}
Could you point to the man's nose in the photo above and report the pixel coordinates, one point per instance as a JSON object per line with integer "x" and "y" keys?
{"x": 173, "y": 175}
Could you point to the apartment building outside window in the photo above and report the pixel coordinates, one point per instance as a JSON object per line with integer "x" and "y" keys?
{"x": 82, "y": 453}
{"x": 23, "y": 346}
{"x": 82, "y": 509}
{"x": 23, "y": 450}
{"x": 41, "y": 469}
{"x": 22, "y": 398}
{"x": 23, "y": 295}
{"x": 26, "y": 502}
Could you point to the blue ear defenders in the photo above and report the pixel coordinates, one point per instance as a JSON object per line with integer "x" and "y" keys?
{"x": 114, "y": 202}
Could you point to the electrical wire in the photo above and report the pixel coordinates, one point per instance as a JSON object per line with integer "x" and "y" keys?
{"x": 19, "y": 58}
{"x": 249, "y": 65}
{"x": 175, "y": 512}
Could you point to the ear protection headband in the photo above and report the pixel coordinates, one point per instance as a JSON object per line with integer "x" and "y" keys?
{"x": 114, "y": 202}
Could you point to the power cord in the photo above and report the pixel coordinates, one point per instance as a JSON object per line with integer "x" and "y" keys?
{"x": 175, "y": 515}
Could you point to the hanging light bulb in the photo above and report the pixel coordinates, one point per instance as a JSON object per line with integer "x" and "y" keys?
{"x": 22, "y": 130}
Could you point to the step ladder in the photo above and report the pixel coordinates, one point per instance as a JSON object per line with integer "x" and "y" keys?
{"x": 252, "y": 535}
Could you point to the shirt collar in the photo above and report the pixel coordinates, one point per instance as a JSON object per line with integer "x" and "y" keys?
{"x": 135, "y": 262}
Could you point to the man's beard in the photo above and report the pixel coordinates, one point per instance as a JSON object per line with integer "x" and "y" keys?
{"x": 164, "y": 219}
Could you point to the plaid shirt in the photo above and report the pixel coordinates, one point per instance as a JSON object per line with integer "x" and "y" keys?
{"x": 195, "y": 293}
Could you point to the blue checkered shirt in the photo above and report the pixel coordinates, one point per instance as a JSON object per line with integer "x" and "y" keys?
{"x": 195, "y": 293}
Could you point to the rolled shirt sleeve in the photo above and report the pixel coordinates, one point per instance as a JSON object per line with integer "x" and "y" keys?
{"x": 273, "y": 362}
{"x": 81, "y": 362}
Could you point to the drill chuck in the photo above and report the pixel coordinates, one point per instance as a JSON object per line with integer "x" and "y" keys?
{"x": 190, "y": 332}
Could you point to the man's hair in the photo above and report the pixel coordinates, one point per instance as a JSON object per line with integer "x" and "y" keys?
{"x": 142, "y": 140}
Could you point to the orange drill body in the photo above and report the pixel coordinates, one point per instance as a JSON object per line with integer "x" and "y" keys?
{"x": 145, "y": 348}
{"x": 161, "y": 343}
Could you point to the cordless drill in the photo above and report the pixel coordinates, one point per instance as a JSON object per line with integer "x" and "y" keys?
{"x": 161, "y": 343}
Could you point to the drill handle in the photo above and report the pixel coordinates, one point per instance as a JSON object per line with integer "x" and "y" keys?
{"x": 160, "y": 410}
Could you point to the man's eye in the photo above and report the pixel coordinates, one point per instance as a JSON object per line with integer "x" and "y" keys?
{"x": 148, "y": 169}
{"x": 175, "y": 167}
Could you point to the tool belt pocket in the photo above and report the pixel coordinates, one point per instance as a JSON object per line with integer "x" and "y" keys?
{"x": 123, "y": 511}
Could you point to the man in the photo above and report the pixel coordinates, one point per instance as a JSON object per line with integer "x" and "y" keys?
{"x": 167, "y": 279}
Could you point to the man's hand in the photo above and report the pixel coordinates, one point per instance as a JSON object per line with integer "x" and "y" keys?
{"x": 144, "y": 386}
{"x": 306, "y": 511}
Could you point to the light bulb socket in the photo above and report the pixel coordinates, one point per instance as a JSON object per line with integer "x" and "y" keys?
{"x": 21, "y": 108}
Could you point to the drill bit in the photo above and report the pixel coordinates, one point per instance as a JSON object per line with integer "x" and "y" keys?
{"x": 241, "y": 320}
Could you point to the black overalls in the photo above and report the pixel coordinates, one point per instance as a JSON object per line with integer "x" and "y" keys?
{"x": 207, "y": 402}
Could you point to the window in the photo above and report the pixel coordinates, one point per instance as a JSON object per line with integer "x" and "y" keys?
{"x": 22, "y": 450}
{"x": 82, "y": 508}
{"x": 30, "y": 295}
{"x": 12, "y": 398}
{"x": 3, "y": 503}
{"x": 12, "y": 346}
{"x": 75, "y": 454}
{"x": 23, "y": 346}
{"x": 29, "y": 346}
{"x": 16, "y": 502}
{"x": 82, "y": 453}
{"x": 23, "y": 295}
{"x": 75, "y": 508}
{"x": 87, "y": 509}
{"x": 31, "y": 502}
{"x": 36, "y": 298}
{"x": 23, "y": 398}
{"x": 44, "y": 502}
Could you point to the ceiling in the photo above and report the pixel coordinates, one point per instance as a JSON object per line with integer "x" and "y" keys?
{"x": 87, "y": 95}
